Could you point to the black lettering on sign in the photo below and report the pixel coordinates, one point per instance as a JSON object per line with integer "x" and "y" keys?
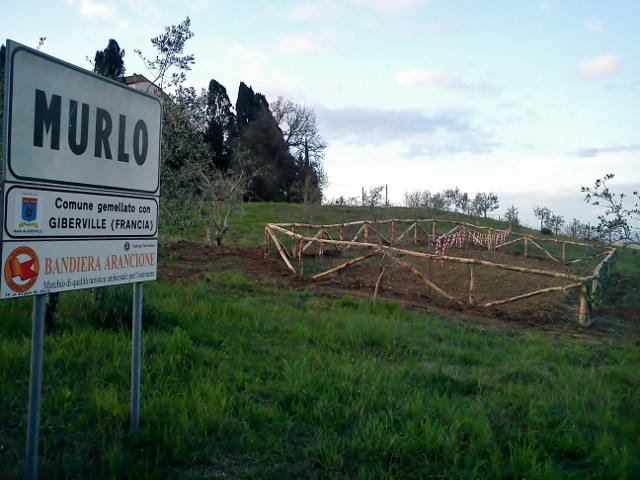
{"x": 140, "y": 135}
{"x": 122, "y": 130}
{"x": 47, "y": 121}
{"x": 104, "y": 124}
{"x": 47, "y": 117}
{"x": 78, "y": 147}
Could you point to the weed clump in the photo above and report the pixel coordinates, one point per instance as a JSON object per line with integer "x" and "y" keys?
{"x": 114, "y": 310}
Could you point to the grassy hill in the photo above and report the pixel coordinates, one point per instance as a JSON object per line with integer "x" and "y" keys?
{"x": 248, "y": 229}
{"x": 253, "y": 379}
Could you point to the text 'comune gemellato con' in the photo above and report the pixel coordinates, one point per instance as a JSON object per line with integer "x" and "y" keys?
{"x": 118, "y": 207}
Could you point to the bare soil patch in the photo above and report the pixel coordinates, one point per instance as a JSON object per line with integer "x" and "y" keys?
{"x": 183, "y": 262}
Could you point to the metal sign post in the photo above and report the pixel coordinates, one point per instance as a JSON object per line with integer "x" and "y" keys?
{"x": 136, "y": 350}
{"x": 35, "y": 386}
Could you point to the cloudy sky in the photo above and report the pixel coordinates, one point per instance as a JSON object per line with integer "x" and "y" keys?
{"x": 530, "y": 99}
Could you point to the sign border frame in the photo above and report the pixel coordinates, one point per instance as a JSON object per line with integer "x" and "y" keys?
{"x": 8, "y": 237}
{"x": 12, "y": 49}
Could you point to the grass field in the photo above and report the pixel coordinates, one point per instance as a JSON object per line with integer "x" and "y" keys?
{"x": 242, "y": 379}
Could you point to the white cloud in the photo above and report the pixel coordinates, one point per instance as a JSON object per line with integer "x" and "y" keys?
{"x": 544, "y": 5}
{"x": 201, "y": 5}
{"x": 600, "y": 66}
{"x": 419, "y": 133}
{"x": 439, "y": 78}
{"x": 123, "y": 25}
{"x": 251, "y": 66}
{"x": 307, "y": 11}
{"x": 548, "y": 5}
{"x": 306, "y": 42}
{"x": 94, "y": 8}
{"x": 596, "y": 151}
{"x": 594, "y": 26}
{"x": 390, "y": 6}
{"x": 314, "y": 10}
{"x": 252, "y": 60}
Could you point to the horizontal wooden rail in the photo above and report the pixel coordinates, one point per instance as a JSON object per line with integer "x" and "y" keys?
{"x": 386, "y": 247}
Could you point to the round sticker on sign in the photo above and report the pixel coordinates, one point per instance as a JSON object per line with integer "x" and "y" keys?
{"x": 21, "y": 269}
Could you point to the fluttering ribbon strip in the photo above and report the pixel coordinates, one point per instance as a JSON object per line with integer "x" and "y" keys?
{"x": 491, "y": 241}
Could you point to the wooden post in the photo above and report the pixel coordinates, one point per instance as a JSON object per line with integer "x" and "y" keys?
{"x": 300, "y": 260}
{"x": 281, "y": 251}
{"x": 265, "y": 243}
{"x": 433, "y": 238}
{"x": 392, "y": 232}
{"x": 322, "y": 232}
{"x": 293, "y": 239}
{"x": 366, "y": 232}
{"x": 564, "y": 252}
{"x": 526, "y": 247}
{"x": 583, "y": 305}
{"x": 415, "y": 232}
{"x": 472, "y": 285}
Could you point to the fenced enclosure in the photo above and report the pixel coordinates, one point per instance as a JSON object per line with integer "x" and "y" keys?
{"x": 453, "y": 262}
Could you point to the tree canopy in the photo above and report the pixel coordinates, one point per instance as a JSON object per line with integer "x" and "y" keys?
{"x": 221, "y": 125}
{"x": 249, "y": 106}
{"x": 170, "y": 55}
{"x": 110, "y": 62}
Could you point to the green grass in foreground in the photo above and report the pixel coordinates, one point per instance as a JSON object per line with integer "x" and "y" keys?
{"x": 241, "y": 380}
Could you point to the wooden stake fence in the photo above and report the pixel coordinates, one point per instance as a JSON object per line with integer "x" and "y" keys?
{"x": 386, "y": 248}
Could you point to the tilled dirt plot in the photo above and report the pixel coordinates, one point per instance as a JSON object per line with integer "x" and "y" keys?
{"x": 183, "y": 262}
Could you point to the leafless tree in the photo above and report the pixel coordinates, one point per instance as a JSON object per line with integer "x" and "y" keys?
{"x": 544, "y": 214}
{"x": 222, "y": 196}
{"x": 511, "y": 216}
{"x": 576, "y": 229}
{"x": 299, "y": 129}
{"x": 373, "y": 199}
{"x": 557, "y": 222}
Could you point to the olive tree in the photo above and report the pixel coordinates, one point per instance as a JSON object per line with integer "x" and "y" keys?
{"x": 618, "y": 222}
{"x": 222, "y": 196}
{"x": 512, "y": 216}
{"x": 170, "y": 63}
{"x": 544, "y": 214}
{"x": 373, "y": 199}
{"x": 484, "y": 203}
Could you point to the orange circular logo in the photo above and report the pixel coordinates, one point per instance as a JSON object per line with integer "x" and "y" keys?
{"x": 21, "y": 269}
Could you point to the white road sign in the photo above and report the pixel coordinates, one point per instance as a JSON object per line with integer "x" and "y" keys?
{"x": 68, "y": 126}
{"x": 49, "y": 213}
{"x": 81, "y": 178}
